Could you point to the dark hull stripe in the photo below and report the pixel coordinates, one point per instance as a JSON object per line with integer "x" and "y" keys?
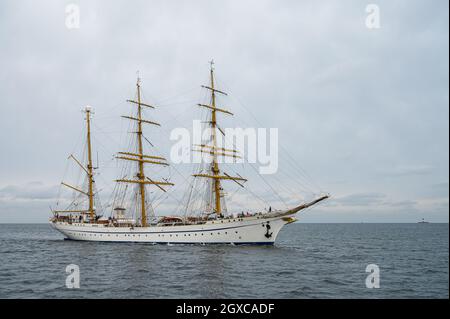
{"x": 174, "y": 243}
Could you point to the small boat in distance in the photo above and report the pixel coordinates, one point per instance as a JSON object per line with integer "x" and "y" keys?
{"x": 423, "y": 221}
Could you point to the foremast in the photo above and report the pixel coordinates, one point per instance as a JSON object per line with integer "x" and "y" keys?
{"x": 142, "y": 180}
{"x": 215, "y": 151}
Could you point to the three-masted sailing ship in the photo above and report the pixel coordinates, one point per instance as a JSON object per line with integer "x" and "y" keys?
{"x": 214, "y": 226}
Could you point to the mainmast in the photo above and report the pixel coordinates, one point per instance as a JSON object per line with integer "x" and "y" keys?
{"x": 213, "y": 149}
{"x": 89, "y": 166}
{"x": 215, "y": 166}
{"x": 140, "y": 157}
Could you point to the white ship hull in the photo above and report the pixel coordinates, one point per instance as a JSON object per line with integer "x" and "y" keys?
{"x": 247, "y": 230}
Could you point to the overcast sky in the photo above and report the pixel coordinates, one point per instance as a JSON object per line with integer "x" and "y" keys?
{"x": 364, "y": 111}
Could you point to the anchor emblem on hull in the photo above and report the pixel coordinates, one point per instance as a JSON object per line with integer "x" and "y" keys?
{"x": 268, "y": 234}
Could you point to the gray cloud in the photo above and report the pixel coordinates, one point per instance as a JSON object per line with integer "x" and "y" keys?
{"x": 441, "y": 186}
{"x": 406, "y": 170}
{"x": 379, "y": 200}
{"x": 361, "y": 199}
{"x": 30, "y": 191}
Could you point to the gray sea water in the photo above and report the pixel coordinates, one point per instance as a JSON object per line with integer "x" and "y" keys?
{"x": 308, "y": 261}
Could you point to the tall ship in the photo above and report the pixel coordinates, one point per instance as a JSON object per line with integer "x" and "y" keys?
{"x": 131, "y": 216}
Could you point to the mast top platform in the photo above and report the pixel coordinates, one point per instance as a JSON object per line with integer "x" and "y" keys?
{"x": 87, "y": 109}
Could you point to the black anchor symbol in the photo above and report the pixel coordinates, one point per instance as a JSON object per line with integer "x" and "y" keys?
{"x": 267, "y": 234}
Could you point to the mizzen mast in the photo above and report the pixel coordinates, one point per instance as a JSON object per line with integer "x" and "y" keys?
{"x": 89, "y": 170}
{"x": 142, "y": 180}
{"x": 214, "y": 150}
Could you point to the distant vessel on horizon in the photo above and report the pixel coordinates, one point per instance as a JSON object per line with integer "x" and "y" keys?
{"x": 423, "y": 221}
